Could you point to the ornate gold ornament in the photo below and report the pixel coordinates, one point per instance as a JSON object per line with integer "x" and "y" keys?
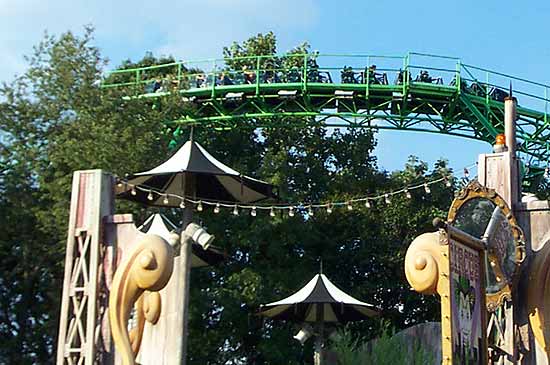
{"x": 423, "y": 263}
{"x": 145, "y": 271}
{"x": 482, "y": 213}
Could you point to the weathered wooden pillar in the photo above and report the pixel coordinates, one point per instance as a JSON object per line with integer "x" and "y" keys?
{"x": 500, "y": 171}
{"x": 84, "y": 300}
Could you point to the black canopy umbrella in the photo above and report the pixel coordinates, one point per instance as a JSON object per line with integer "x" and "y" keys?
{"x": 319, "y": 301}
{"x": 160, "y": 225}
{"x": 191, "y": 173}
{"x": 213, "y": 181}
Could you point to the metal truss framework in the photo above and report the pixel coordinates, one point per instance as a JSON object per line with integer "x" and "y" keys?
{"x": 466, "y": 108}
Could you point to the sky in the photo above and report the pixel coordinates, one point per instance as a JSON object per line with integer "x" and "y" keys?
{"x": 506, "y": 36}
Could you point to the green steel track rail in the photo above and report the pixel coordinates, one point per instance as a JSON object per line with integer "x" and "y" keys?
{"x": 417, "y": 92}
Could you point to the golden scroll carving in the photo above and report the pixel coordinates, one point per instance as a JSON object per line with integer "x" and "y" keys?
{"x": 139, "y": 277}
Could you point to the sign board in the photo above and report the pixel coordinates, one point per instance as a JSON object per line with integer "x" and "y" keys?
{"x": 467, "y": 304}
{"x": 463, "y": 306}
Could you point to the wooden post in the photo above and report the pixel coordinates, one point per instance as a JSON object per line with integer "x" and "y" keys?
{"x": 319, "y": 338}
{"x": 81, "y": 307}
{"x": 185, "y": 265}
{"x": 500, "y": 171}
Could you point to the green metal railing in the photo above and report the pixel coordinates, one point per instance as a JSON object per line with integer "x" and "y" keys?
{"x": 413, "y": 92}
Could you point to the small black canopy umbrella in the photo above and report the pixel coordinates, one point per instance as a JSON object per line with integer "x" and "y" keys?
{"x": 319, "y": 301}
{"x": 214, "y": 181}
{"x": 160, "y": 225}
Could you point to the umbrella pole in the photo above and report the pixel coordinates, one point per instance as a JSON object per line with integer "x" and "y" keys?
{"x": 318, "y": 356}
{"x": 182, "y": 317}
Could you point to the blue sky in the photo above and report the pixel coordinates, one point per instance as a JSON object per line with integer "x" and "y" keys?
{"x": 507, "y": 36}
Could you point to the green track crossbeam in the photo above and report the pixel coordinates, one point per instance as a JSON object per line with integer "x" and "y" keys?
{"x": 417, "y": 92}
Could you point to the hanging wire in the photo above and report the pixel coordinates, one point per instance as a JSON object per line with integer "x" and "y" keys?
{"x": 291, "y": 208}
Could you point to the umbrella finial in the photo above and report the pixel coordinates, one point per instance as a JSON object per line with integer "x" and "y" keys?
{"x": 191, "y": 134}
{"x": 320, "y": 266}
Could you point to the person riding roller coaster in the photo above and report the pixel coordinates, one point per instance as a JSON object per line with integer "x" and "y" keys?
{"x": 347, "y": 75}
{"x": 424, "y": 76}
{"x": 376, "y": 77}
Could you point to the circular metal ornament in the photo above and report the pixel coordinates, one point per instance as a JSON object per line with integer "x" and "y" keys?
{"x": 482, "y": 213}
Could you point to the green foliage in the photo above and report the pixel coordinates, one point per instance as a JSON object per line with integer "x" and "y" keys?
{"x": 55, "y": 119}
{"x": 387, "y": 349}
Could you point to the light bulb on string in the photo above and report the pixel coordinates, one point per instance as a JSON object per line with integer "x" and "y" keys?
{"x": 448, "y": 182}
{"x": 547, "y": 172}
{"x": 329, "y": 209}
{"x": 350, "y": 206}
{"x": 272, "y": 212}
{"x": 133, "y": 191}
{"x": 217, "y": 208}
{"x": 291, "y": 212}
{"x": 310, "y": 211}
{"x": 235, "y": 210}
{"x": 182, "y": 204}
{"x": 165, "y": 200}
{"x": 408, "y": 194}
{"x": 367, "y": 204}
{"x": 387, "y": 198}
{"x": 199, "y": 206}
{"x": 427, "y": 188}
{"x": 466, "y": 173}
{"x": 120, "y": 184}
{"x": 253, "y": 212}
{"x": 150, "y": 196}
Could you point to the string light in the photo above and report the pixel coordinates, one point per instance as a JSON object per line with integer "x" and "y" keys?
{"x": 466, "y": 173}
{"x": 292, "y": 207}
{"x": 546, "y": 172}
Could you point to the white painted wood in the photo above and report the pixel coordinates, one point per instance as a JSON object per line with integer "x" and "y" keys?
{"x": 69, "y": 256}
{"x": 80, "y": 318}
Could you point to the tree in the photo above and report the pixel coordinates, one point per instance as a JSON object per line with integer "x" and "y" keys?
{"x": 55, "y": 119}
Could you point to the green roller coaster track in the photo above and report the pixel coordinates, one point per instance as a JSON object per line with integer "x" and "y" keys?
{"x": 416, "y": 92}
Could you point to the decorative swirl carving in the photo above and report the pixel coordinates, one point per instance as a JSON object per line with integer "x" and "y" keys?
{"x": 538, "y": 295}
{"x": 148, "y": 267}
{"x": 422, "y": 263}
